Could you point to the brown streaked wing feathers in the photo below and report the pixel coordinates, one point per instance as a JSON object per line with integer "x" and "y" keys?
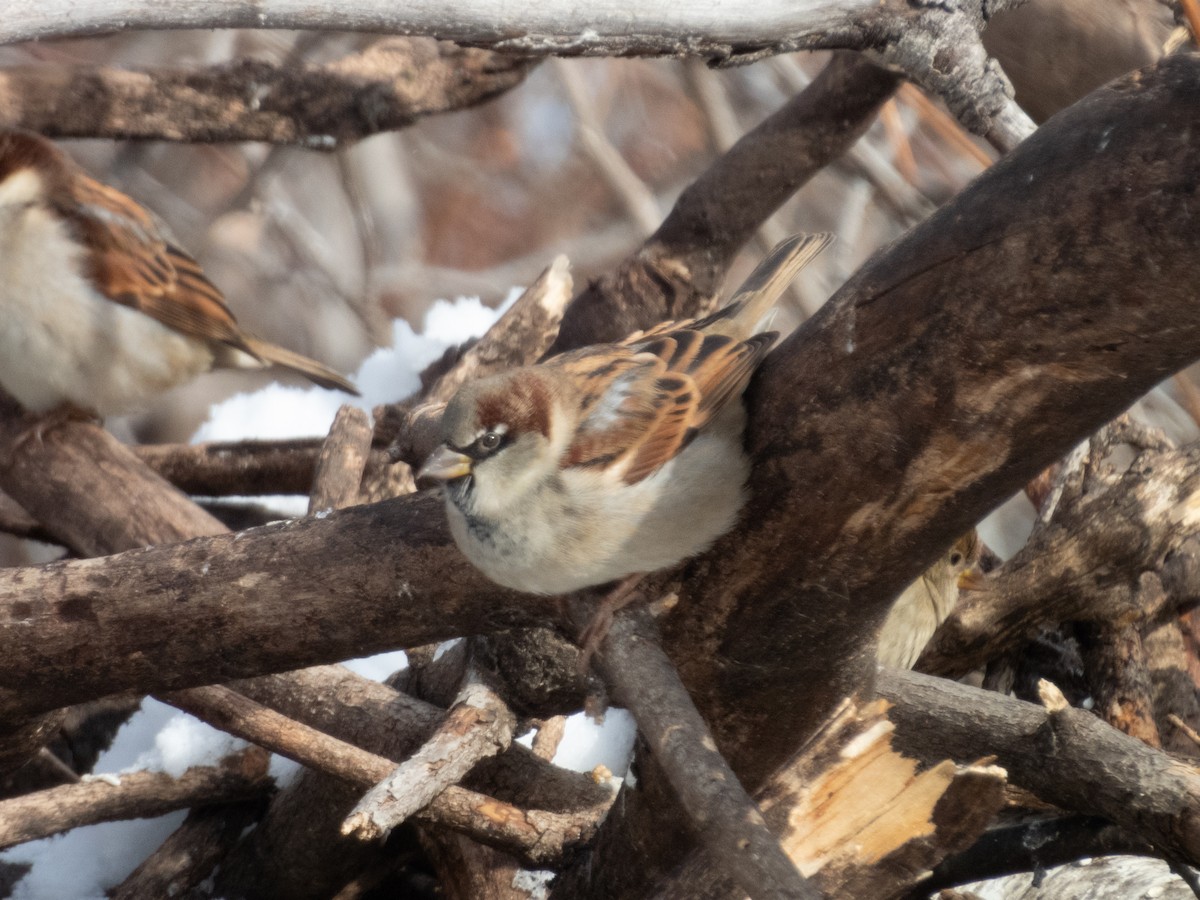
{"x": 133, "y": 265}
{"x": 653, "y": 400}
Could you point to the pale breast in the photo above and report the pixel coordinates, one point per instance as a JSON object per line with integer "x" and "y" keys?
{"x": 592, "y": 529}
{"x": 61, "y": 341}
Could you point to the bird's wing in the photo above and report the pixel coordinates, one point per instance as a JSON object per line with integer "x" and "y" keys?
{"x": 132, "y": 264}
{"x": 643, "y": 402}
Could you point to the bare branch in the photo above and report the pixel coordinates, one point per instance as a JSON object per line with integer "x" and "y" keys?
{"x": 241, "y": 468}
{"x": 478, "y": 725}
{"x": 190, "y": 853}
{"x": 389, "y": 85}
{"x": 857, "y": 817}
{"x": 47, "y": 477}
{"x": 682, "y": 264}
{"x": 135, "y": 796}
{"x": 538, "y": 836}
{"x": 341, "y": 462}
{"x": 1032, "y": 847}
{"x": 1053, "y": 753}
{"x": 728, "y": 822}
{"x": 1062, "y": 572}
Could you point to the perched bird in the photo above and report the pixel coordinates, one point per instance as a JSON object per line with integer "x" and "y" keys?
{"x": 99, "y": 311}
{"x": 613, "y": 460}
{"x": 927, "y": 602}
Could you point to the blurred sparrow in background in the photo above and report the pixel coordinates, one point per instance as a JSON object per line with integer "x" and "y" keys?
{"x": 927, "y": 602}
{"x": 99, "y": 312}
{"x": 616, "y": 459}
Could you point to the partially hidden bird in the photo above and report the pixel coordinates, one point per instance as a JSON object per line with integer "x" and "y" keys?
{"x": 927, "y": 602}
{"x": 100, "y": 311}
{"x": 615, "y": 460}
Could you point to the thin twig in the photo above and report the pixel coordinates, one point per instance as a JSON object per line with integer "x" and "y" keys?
{"x": 538, "y": 836}
{"x": 633, "y": 193}
{"x": 478, "y": 725}
{"x": 1191, "y": 11}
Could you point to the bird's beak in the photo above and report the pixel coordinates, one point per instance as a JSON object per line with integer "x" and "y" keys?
{"x": 445, "y": 464}
{"x": 971, "y": 579}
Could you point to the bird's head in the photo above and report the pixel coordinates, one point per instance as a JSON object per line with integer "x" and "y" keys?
{"x": 497, "y": 443}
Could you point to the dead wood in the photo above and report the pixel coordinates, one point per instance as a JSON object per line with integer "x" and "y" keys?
{"x": 727, "y": 822}
{"x": 479, "y": 724}
{"x": 192, "y": 851}
{"x": 537, "y": 836}
{"x": 133, "y": 796}
{"x": 390, "y": 84}
{"x": 65, "y": 479}
{"x": 1065, "y": 756}
{"x": 241, "y": 468}
{"x": 298, "y": 850}
{"x": 1032, "y": 847}
{"x": 388, "y": 573}
{"x": 857, "y": 818}
{"x": 875, "y": 441}
{"x": 471, "y": 871}
{"x": 1094, "y": 561}
{"x": 341, "y": 462}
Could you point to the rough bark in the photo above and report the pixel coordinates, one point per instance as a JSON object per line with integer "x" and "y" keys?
{"x": 134, "y": 796}
{"x": 243, "y": 468}
{"x": 947, "y": 373}
{"x": 479, "y": 725}
{"x": 1048, "y": 751}
{"x": 191, "y": 852}
{"x": 389, "y": 85}
{"x": 57, "y": 471}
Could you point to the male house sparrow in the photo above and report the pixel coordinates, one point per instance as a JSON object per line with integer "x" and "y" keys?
{"x": 98, "y": 310}
{"x": 613, "y": 460}
{"x": 927, "y": 602}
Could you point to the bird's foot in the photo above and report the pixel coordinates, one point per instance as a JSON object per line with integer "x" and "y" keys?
{"x": 40, "y": 423}
{"x": 596, "y": 630}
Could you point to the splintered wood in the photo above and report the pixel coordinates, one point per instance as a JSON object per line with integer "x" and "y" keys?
{"x": 861, "y": 820}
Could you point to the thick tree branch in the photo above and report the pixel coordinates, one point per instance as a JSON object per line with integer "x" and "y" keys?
{"x": 59, "y": 473}
{"x": 945, "y": 375}
{"x": 1065, "y": 756}
{"x": 387, "y": 86}
{"x": 1032, "y": 847}
{"x": 1092, "y": 562}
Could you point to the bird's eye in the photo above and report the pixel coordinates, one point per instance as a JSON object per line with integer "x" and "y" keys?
{"x": 955, "y": 559}
{"x": 489, "y": 441}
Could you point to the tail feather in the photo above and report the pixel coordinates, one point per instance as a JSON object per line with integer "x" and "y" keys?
{"x": 756, "y": 298}
{"x": 317, "y": 373}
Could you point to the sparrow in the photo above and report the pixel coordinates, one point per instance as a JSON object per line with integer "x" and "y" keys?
{"x": 99, "y": 311}
{"x": 614, "y": 460}
{"x": 927, "y": 602}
